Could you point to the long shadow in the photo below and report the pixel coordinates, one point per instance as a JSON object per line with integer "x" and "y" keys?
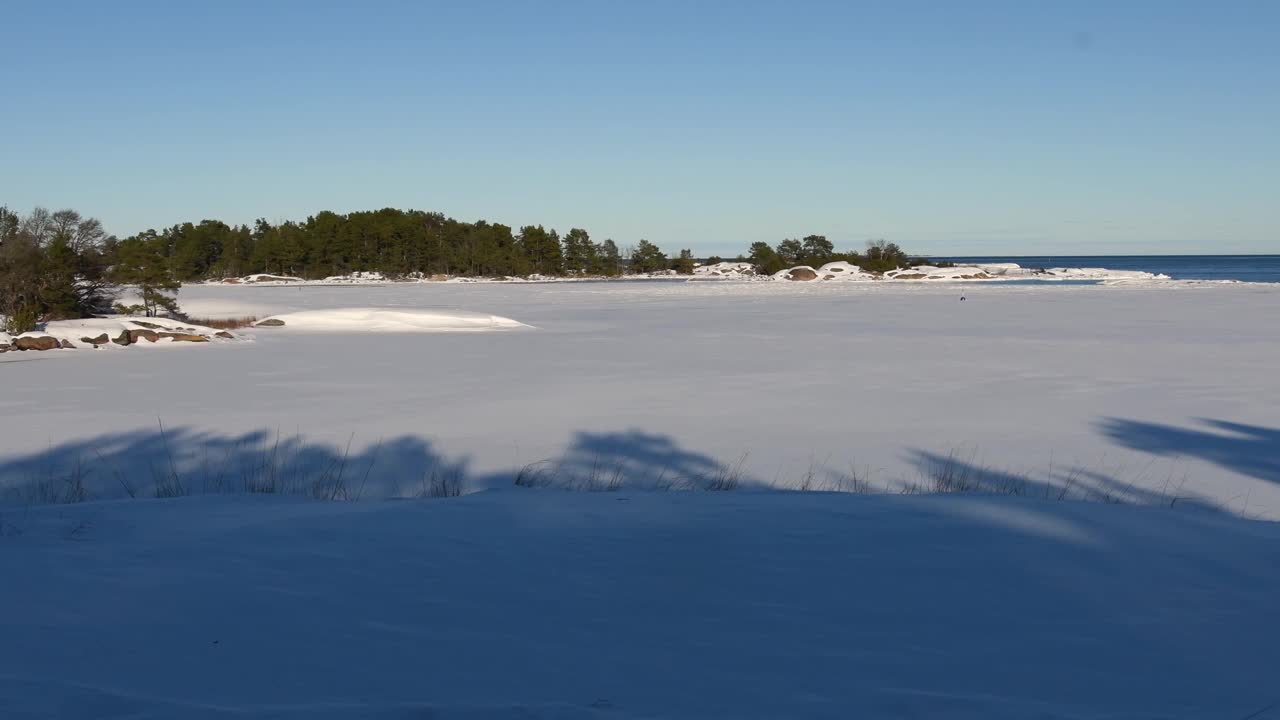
{"x": 184, "y": 461}
{"x": 636, "y": 459}
{"x": 165, "y": 462}
{"x": 1250, "y": 450}
{"x": 957, "y": 473}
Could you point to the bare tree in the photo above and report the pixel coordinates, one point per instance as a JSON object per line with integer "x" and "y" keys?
{"x": 81, "y": 233}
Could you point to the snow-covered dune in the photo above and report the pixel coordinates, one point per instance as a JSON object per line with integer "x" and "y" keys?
{"x": 384, "y": 320}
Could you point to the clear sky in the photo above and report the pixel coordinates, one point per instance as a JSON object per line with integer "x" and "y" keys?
{"x": 1081, "y": 127}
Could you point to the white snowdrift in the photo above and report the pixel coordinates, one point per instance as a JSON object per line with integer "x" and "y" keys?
{"x": 399, "y": 321}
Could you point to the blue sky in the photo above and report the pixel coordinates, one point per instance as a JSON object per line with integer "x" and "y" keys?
{"x": 949, "y": 127}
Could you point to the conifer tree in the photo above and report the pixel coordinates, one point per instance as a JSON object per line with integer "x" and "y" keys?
{"x": 141, "y": 263}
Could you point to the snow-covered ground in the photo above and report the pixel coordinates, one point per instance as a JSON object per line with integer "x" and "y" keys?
{"x": 538, "y": 603}
{"x": 520, "y": 604}
{"x": 1145, "y": 393}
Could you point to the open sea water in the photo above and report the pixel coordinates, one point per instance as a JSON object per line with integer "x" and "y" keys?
{"x": 1248, "y": 268}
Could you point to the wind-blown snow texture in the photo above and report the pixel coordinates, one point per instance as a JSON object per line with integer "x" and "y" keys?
{"x": 544, "y": 604}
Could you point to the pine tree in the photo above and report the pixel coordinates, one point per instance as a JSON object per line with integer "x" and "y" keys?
{"x": 765, "y": 259}
{"x": 141, "y": 263}
{"x": 608, "y": 260}
{"x": 684, "y": 265}
{"x": 790, "y": 251}
{"x": 817, "y": 250}
{"x": 578, "y": 251}
{"x": 59, "y": 291}
{"x": 648, "y": 258}
{"x": 542, "y": 250}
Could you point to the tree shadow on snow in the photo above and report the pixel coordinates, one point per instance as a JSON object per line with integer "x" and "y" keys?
{"x": 169, "y": 462}
{"x": 1250, "y": 450}
{"x": 959, "y": 472}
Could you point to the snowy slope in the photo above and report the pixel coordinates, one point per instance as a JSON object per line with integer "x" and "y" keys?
{"x": 543, "y": 604}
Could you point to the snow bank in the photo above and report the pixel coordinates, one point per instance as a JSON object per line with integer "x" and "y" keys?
{"x": 398, "y": 321}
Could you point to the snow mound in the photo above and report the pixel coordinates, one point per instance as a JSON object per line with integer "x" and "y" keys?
{"x": 801, "y": 273}
{"x": 726, "y": 269}
{"x": 380, "y": 320}
{"x": 845, "y": 272}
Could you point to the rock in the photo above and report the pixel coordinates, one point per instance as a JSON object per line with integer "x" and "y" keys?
{"x": 66, "y": 345}
{"x": 184, "y": 337}
{"x": 269, "y": 322}
{"x": 96, "y": 341}
{"x": 124, "y": 338}
{"x": 910, "y": 276}
{"x": 225, "y": 334}
{"x": 150, "y": 335}
{"x": 802, "y": 273}
{"x": 36, "y": 343}
{"x": 150, "y": 326}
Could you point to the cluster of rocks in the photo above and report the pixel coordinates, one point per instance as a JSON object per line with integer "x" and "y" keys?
{"x": 146, "y": 331}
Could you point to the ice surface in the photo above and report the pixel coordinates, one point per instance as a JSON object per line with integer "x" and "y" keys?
{"x": 1154, "y": 394}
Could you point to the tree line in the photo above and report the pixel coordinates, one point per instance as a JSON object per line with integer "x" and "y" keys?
{"x": 396, "y": 243}
{"x": 58, "y": 265}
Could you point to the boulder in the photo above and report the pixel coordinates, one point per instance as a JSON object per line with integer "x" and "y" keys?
{"x": 149, "y": 335}
{"x": 66, "y": 345}
{"x": 148, "y": 325}
{"x": 184, "y": 337}
{"x": 225, "y": 334}
{"x": 802, "y": 274}
{"x": 269, "y": 322}
{"x": 124, "y": 338}
{"x": 36, "y": 343}
{"x": 96, "y": 341}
